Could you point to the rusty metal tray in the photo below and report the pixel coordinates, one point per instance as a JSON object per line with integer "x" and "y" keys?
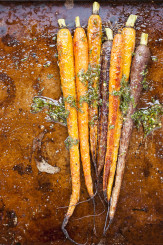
{"x": 31, "y": 201}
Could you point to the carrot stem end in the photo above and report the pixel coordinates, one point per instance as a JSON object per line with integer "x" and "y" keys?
{"x": 77, "y": 21}
{"x": 144, "y": 39}
{"x": 61, "y": 23}
{"x": 131, "y": 20}
{"x": 109, "y": 33}
{"x": 96, "y": 7}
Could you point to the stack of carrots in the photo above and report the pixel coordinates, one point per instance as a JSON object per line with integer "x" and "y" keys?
{"x": 93, "y": 75}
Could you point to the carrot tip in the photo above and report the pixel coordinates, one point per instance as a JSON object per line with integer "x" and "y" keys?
{"x": 105, "y": 230}
{"x": 131, "y": 20}
{"x": 105, "y": 195}
{"x": 65, "y": 221}
{"x": 94, "y": 211}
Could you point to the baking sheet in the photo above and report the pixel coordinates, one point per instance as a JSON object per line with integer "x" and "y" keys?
{"x": 30, "y": 200}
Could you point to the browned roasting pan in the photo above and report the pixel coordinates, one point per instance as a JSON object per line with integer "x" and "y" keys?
{"x": 31, "y": 201}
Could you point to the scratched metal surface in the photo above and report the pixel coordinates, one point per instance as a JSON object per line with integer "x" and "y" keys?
{"x": 29, "y": 199}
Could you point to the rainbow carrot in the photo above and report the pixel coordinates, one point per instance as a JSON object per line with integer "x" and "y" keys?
{"x": 114, "y": 117}
{"x": 67, "y": 74}
{"x": 94, "y": 33}
{"x": 129, "y": 34}
{"x": 81, "y": 67}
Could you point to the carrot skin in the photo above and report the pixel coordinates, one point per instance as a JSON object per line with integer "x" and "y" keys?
{"x": 94, "y": 33}
{"x": 114, "y": 117}
{"x": 67, "y": 74}
{"x": 139, "y": 64}
{"x": 129, "y": 34}
{"x": 103, "y": 109}
{"x": 81, "y": 65}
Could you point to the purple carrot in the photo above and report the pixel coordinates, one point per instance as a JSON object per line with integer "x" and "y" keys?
{"x": 103, "y": 110}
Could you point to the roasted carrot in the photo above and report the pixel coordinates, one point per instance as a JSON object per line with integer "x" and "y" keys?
{"x": 94, "y": 33}
{"x": 114, "y": 116}
{"x": 139, "y": 64}
{"x": 129, "y": 34}
{"x": 67, "y": 74}
{"x": 129, "y": 45}
{"x": 104, "y": 97}
{"x": 81, "y": 67}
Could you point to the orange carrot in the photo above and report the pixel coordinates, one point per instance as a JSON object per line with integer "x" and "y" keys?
{"x": 114, "y": 117}
{"x": 81, "y": 67}
{"x": 129, "y": 45}
{"x": 67, "y": 74}
{"x": 94, "y": 46}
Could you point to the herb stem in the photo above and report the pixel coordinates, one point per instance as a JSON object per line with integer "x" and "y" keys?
{"x": 47, "y": 98}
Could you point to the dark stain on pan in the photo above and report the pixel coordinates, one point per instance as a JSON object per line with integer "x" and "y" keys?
{"x": 9, "y": 40}
{"x": 8, "y": 218}
{"x": 147, "y": 168}
{"x": 44, "y": 184}
{"x": 22, "y": 170}
{"x": 3, "y": 31}
{"x": 52, "y": 234}
{"x": 11, "y": 218}
{"x": 2, "y": 207}
{"x": 36, "y": 85}
{"x": 7, "y": 90}
{"x": 145, "y": 209}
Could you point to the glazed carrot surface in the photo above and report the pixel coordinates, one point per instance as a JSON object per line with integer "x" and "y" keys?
{"x": 67, "y": 74}
{"x": 114, "y": 117}
{"x": 94, "y": 32}
{"x": 81, "y": 67}
{"x": 128, "y": 34}
{"x": 139, "y": 64}
{"x": 104, "y": 96}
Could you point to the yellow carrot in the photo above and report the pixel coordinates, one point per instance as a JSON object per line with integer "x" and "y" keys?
{"x": 67, "y": 74}
{"x": 94, "y": 33}
{"x": 81, "y": 67}
{"x": 129, "y": 34}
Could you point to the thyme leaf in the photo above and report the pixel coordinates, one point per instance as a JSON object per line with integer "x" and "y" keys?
{"x": 149, "y": 118}
{"x": 111, "y": 126}
{"x": 69, "y": 142}
{"x": 93, "y": 120}
{"x": 124, "y": 94}
{"x": 145, "y": 84}
{"x": 82, "y": 99}
{"x": 71, "y": 101}
{"x": 55, "y": 109}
